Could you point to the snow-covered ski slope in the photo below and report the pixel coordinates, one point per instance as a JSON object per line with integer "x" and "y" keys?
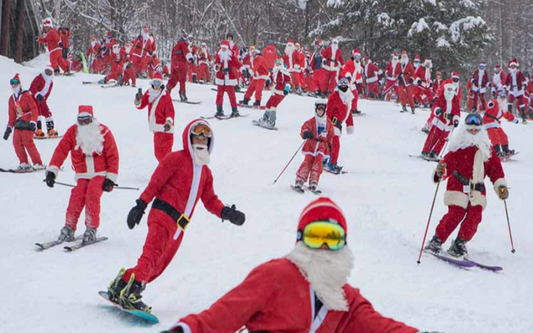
{"x": 386, "y": 197}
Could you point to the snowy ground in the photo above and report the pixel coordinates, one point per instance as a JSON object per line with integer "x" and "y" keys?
{"x": 386, "y": 197}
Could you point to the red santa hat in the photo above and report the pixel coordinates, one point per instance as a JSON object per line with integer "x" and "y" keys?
{"x": 512, "y": 62}
{"x": 17, "y": 77}
{"x": 47, "y": 22}
{"x": 455, "y": 75}
{"x": 498, "y": 66}
{"x": 404, "y": 53}
{"x": 334, "y": 40}
{"x": 109, "y": 34}
{"x": 297, "y": 45}
{"x": 318, "y": 41}
{"x": 322, "y": 209}
{"x": 290, "y": 41}
{"x": 85, "y": 111}
{"x": 224, "y": 44}
{"x": 355, "y": 52}
{"x": 417, "y": 57}
{"x": 367, "y": 58}
{"x": 482, "y": 63}
{"x": 395, "y": 55}
{"x": 158, "y": 77}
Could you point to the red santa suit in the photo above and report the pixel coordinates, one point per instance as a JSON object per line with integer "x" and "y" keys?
{"x": 41, "y": 88}
{"x": 180, "y": 55}
{"x": 338, "y": 111}
{"x": 448, "y": 106}
{"x": 467, "y": 163}
{"x": 405, "y": 76}
{"x": 281, "y": 79}
{"x": 143, "y": 45}
{"x": 316, "y": 149}
{"x": 154, "y": 65}
{"x": 244, "y": 75}
{"x": 160, "y": 112}
{"x": 424, "y": 83}
{"x": 437, "y": 82}
{"x": 192, "y": 68}
{"x": 492, "y": 123}
{"x": 352, "y": 71}
{"x": 175, "y": 186}
{"x": 332, "y": 63}
{"x": 226, "y": 80}
{"x": 372, "y": 73}
{"x": 22, "y": 112}
{"x": 480, "y": 81}
{"x": 498, "y": 80}
{"x": 303, "y": 69}
{"x": 51, "y": 39}
{"x": 270, "y": 54}
{"x": 129, "y": 73}
{"x": 204, "y": 58}
{"x": 97, "y": 64}
{"x": 291, "y": 59}
{"x": 259, "y": 76}
{"x": 118, "y": 57}
{"x": 391, "y": 80}
{"x": 93, "y": 162}
{"x": 109, "y": 42}
{"x": 64, "y": 35}
{"x": 528, "y": 95}
{"x": 515, "y": 83}
{"x": 318, "y": 72}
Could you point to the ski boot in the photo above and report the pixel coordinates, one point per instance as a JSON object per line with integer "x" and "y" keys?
{"x": 433, "y": 155}
{"x": 39, "y": 133}
{"x": 24, "y": 167}
{"x": 298, "y": 186}
{"x": 237, "y": 88}
{"x": 257, "y": 104}
{"x": 434, "y": 245}
{"x": 51, "y": 129}
{"x": 183, "y": 97}
{"x": 334, "y": 168}
{"x": 425, "y": 130}
{"x": 264, "y": 119}
{"x": 506, "y": 151}
{"x": 498, "y": 150}
{"x": 130, "y": 297}
{"x": 116, "y": 286}
{"x": 245, "y": 101}
{"x": 313, "y": 188}
{"x": 424, "y": 155}
{"x": 220, "y": 111}
{"x": 194, "y": 79}
{"x": 66, "y": 234}
{"x": 404, "y": 109}
{"x": 120, "y": 80}
{"x": 412, "y": 109}
{"x": 234, "y": 112}
{"x": 38, "y": 166}
{"x": 102, "y": 81}
{"x": 89, "y": 235}
{"x": 458, "y": 248}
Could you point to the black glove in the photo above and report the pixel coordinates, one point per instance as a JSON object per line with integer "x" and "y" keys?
{"x": 60, "y": 44}
{"x": 179, "y": 330}
{"x": 233, "y": 215}
{"x": 33, "y": 127}
{"x": 411, "y": 80}
{"x": 139, "y": 95}
{"x": 136, "y": 213}
{"x": 308, "y": 135}
{"x": 108, "y": 185}
{"x": 191, "y": 60}
{"x": 438, "y": 112}
{"x": 455, "y": 123}
{"x": 39, "y": 97}
{"x": 226, "y": 70}
{"x": 50, "y": 178}
{"x": 7, "y": 133}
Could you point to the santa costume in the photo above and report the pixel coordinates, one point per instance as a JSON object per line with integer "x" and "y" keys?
{"x": 496, "y": 109}
{"x": 41, "y": 88}
{"x": 405, "y": 76}
{"x": 227, "y": 67}
{"x": 281, "y": 79}
{"x": 291, "y": 59}
{"x": 260, "y": 74}
{"x": 391, "y": 84}
{"x": 372, "y": 73}
{"x": 143, "y": 46}
{"x": 480, "y": 82}
{"x": 204, "y": 59}
{"x": 332, "y": 63}
{"x": 498, "y": 80}
{"x": 353, "y": 72}
{"x": 516, "y": 83}
{"x": 424, "y": 82}
{"x": 55, "y": 53}
{"x": 178, "y": 74}
{"x": 316, "y": 69}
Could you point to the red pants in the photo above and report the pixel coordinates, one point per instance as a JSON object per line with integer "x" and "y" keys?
{"x": 355, "y": 100}
{"x": 372, "y": 89}
{"x": 390, "y": 88}
{"x": 330, "y": 81}
{"x": 435, "y": 140}
{"x": 163, "y": 143}
{"x": 177, "y": 74}
{"x": 256, "y": 86}
{"x": 481, "y": 97}
{"x": 230, "y": 90}
{"x": 425, "y": 95}
{"x": 319, "y": 80}
{"x": 497, "y": 136}
{"x": 116, "y": 70}
{"x": 192, "y": 71}
{"x": 44, "y": 110}
{"x": 139, "y": 64}
{"x": 159, "y": 248}
{"x": 56, "y": 59}
{"x": 22, "y": 142}
{"x": 311, "y": 169}
{"x": 87, "y": 193}
{"x": 335, "y": 149}
{"x": 98, "y": 66}
{"x": 310, "y": 85}
{"x": 129, "y": 74}
{"x": 203, "y": 72}
{"x": 295, "y": 77}
{"x": 520, "y": 101}
{"x": 274, "y": 101}
{"x": 406, "y": 95}
{"x": 455, "y": 215}
{"x": 303, "y": 83}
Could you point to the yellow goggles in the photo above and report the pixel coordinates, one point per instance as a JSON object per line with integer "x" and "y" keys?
{"x": 323, "y": 234}
{"x": 201, "y": 129}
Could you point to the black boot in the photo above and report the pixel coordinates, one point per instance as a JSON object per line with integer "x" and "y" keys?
{"x": 523, "y": 114}
{"x": 116, "y": 286}
{"x": 498, "y": 150}
{"x": 194, "y": 78}
{"x": 318, "y": 93}
{"x": 220, "y": 112}
{"x": 130, "y": 297}
{"x": 507, "y": 151}
{"x": 433, "y": 155}
{"x": 434, "y": 246}
{"x": 183, "y": 97}
{"x": 412, "y": 109}
{"x": 234, "y": 112}
{"x": 404, "y": 109}
{"x": 120, "y": 80}
{"x": 458, "y": 248}
{"x": 257, "y": 103}
{"x": 245, "y": 101}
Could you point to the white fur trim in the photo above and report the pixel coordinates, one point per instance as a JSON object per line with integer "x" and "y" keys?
{"x": 337, "y": 131}
{"x": 170, "y": 120}
{"x": 498, "y": 183}
{"x": 455, "y": 198}
{"x": 112, "y": 176}
{"x": 478, "y": 199}
{"x": 54, "y": 169}
{"x": 184, "y": 327}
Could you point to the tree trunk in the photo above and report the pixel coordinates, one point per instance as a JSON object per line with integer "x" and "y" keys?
{"x": 6, "y": 17}
{"x": 19, "y": 38}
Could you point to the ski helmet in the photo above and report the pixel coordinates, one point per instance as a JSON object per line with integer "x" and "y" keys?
{"x": 320, "y": 102}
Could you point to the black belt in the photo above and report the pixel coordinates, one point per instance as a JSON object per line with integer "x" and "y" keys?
{"x": 167, "y": 208}
{"x": 480, "y": 187}
{"x": 22, "y": 125}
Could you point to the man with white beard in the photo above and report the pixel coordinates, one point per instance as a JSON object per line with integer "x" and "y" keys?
{"x": 94, "y": 156}
{"x": 469, "y": 160}
{"x": 306, "y": 291}
{"x": 180, "y": 180}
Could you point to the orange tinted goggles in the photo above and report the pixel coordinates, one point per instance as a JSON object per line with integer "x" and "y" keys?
{"x": 202, "y": 129}
{"x": 318, "y": 234}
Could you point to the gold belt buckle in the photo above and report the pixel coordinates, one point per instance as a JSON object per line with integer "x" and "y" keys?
{"x": 182, "y": 222}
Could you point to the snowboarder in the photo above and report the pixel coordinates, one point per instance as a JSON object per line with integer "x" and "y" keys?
{"x": 306, "y": 290}
{"x": 332, "y": 62}
{"x": 498, "y": 81}
{"x": 117, "y": 57}
{"x": 41, "y": 88}
{"x": 516, "y": 83}
{"x": 64, "y": 34}
{"x": 23, "y": 114}
{"x": 372, "y": 73}
{"x": 51, "y": 39}
{"x": 405, "y": 76}
{"x": 180, "y": 55}
{"x": 129, "y": 73}
{"x": 470, "y": 158}
{"x": 259, "y": 77}
{"x": 160, "y": 115}
{"x": 97, "y": 64}
{"x": 318, "y": 133}
{"x": 177, "y": 184}
{"x": 281, "y": 79}
{"x": 226, "y": 80}
{"x": 338, "y": 111}
{"x": 480, "y": 82}
{"x": 496, "y": 109}
{"x": 270, "y": 54}
{"x": 95, "y": 160}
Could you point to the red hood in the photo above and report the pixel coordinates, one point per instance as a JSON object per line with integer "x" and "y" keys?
{"x": 186, "y": 136}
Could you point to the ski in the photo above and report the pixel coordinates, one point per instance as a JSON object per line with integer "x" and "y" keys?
{"x": 31, "y": 170}
{"x": 360, "y": 114}
{"x": 224, "y": 117}
{"x": 47, "y": 245}
{"x": 258, "y": 124}
{"x": 508, "y": 158}
{"x": 90, "y": 82}
{"x": 256, "y": 107}
{"x": 428, "y": 159}
{"x": 136, "y": 313}
{"x": 81, "y": 245}
{"x": 456, "y": 262}
{"x": 487, "y": 267}
{"x": 185, "y": 102}
{"x": 297, "y": 189}
{"x": 317, "y": 192}
{"x": 47, "y": 137}
{"x": 342, "y": 172}
{"x": 66, "y": 74}
{"x": 236, "y": 91}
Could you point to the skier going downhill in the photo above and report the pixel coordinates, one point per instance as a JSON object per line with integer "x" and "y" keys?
{"x": 41, "y": 88}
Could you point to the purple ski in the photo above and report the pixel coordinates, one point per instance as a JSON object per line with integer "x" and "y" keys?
{"x": 457, "y": 262}
{"x": 487, "y": 267}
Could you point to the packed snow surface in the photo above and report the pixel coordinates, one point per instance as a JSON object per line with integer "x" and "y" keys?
{"x": 386, "y": 197}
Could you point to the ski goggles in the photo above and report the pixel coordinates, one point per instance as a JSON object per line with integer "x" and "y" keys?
{"x": 482, "y": 66}
{"x": 202, "y": 130}
{"x": 357, "y": 56}
{"x": 455, "y": 79}
{"x": 85, "y": 120}
{"x": 474, "y": 119}
{"x": 321, "y": 107}
{"x": 14, "y": 82}
{"x": 157, "y": 83}
{"x": 319, "y": 233}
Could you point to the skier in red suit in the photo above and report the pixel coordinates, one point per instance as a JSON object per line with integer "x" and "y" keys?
{"x": 177, "y": 184}
{"x": 305, "y": 291}
{"x": 226, "y": 77}
{"x": 303, "y": 67}
{"x": 516, "y": 83}
{"x": 405, "y": 76}
{"x": 372, "y": 73}
{"x": 318, "y": 133}
{"x": 447, "y": 113}
{"x": 129, "y": 73}
{"x": 143, "y": 46}
{"x": 496, "y": 109}
{"x": 259, "y": 77}
{"x": 317, "y": 70}
{"x": 332, "y": 63}
{"x": 498, "y": 80}
{"x": 107, "y": 49}
{"x": 180, "y": 55}
{"x": 291, "y": 59}
{"x": 424, "y": 82}
{"x": 338, "y": 111}
{"x": 391, "y": 85}
{"x": 204, "y": 58}
{"x": 469, "y": 160}
{"x": 117, "y": 58}
{"x": 437, "y": 82}
{"x": 51, "y": 39}
{"x": 270, "y": 54}
{"x": 23, "y": 114}
{"x": 95, "y": 160}
{"x": 154, "y": 65}
{"x": 353, "y": 72}
{"x": 40, "y": 88}
{"x": 97, "y": 64}
{"x": 160, "y": 116}
{"x": 64, "y": 35}
{"x": 480, "y": 82}
{"x": 281, "y": 79}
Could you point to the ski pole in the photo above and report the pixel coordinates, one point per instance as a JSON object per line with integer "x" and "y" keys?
{"x": 446, "y": 144}
{"x": 282, "y": 171}
{"x": 115, "y": 186}
{"x": 427, "y": 226}
{"x": 509, "y": 226}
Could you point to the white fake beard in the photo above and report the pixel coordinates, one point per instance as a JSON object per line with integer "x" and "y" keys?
{"x": 289, "y": 50}
{"x": 90, "y": 138}
{"x": 15, "y": 90}
{"x": 321, "y": 121}
{"x": 463, "y": 139}
{"x": 502, "y": 103}
{"x": 146, "y": 35}
{"x": 200, "y": 154}
{"x": 93, "y": 44}
{"x": 224, "y": 54}
{"x": 404, "y": 61}
{"x": 346, "y": 97}
{"x": 153, "y": 94}
{"x": 128, "y": 49}
{"x": 327, "y": 272}
{"x": 116, "y": 51}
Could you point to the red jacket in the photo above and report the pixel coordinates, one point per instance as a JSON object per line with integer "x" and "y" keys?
{"x": 275, "y": 297}
{"x": 164, "y": 110}
{"x": 372, "y": 72}
{"x": 280, "y": 77}
{"x": 39, "y": 87}
{"x": 87, "y": 167}
{"x": 515, "y": 82}
{"x": 203, "y": 56}
{"x": 312, "y": 146}
{"x": 229, "y": 78}
{"x": 423, "y": 76}
{"x": 450, "y": 112}
{"x": 476, "y": 84}
{"x": 332, "y": 61}
{"x": 339, "y": 109}
{"x": 260, "y": 69}
{"x": 174, "y": 181}
{"x": 120, "y": 57}
{"x": 180, "y": 55}
{"x": 22, "y": 107}
{"x": 389, "y": 70}
{"x": 404, "y": 73}
{"x": 493, "y": 114}
{"x": 436, "y": 85}
{"x": 64, "y": 35}
{"x": 51, "y": 39}
{"x": 270, "y": 55}
{"x": 94, "y": 50}
{"x": 440, "y": 90}
{"x": 292, "y": 61}
{"x": 353, "y": 71}
{"x": 142, "y": 47}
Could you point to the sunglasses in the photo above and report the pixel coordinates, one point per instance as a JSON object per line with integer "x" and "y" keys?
{"x": 319, "y": 233}
{"x": 14, "y": 82}
{"x": 474, "y": 119}
{"x": 85, "y": 120}
{"x": 455, "y": 79}
{"x": 202, "y": 130}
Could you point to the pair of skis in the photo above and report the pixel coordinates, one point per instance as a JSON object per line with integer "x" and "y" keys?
{"x": 259, "y": 124}
{"x": 47, "y": 137}
{"x": 30, "y": 170}
{"x": 426, "y": 158}
{"x": 224, "y": 117}
{"x": 186, "y": 102}
{"x": 302, "y": 190}
{"x": 71, "y": 248}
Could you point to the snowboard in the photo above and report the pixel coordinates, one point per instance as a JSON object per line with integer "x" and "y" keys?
{"x": 258, "y": 124}
{"x": 224, "y": 117}
{"x": 47, "y": 137}
{"x": 242, "y": 91}
{"x": 260, "y": 107}
{"x": 186, "y": 102}
{"x": 508, "y": 158}
{"x": 136, "y": 313}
